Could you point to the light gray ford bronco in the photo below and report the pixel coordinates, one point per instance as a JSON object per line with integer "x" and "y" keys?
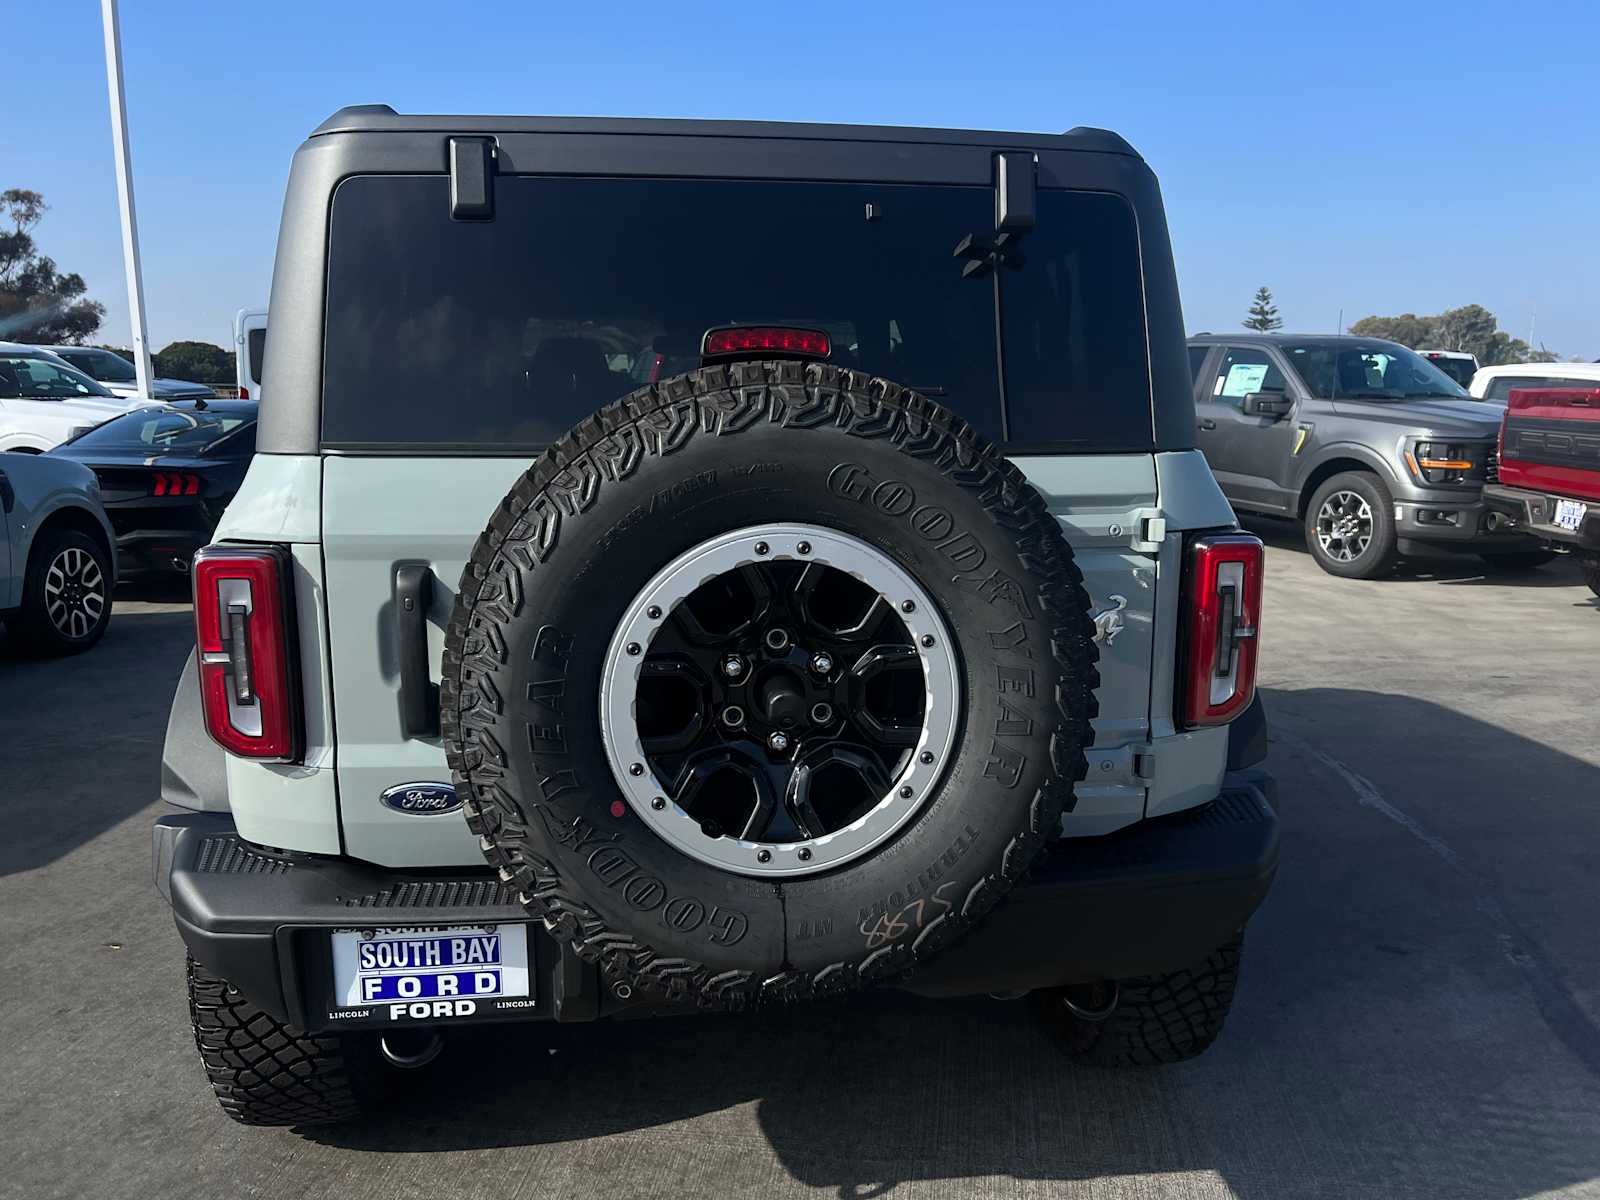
{"x": 698, "y": 565}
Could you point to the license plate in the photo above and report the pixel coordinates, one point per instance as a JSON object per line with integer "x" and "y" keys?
{"x": 420, "y": 973}
{"x": 1569, "y": 514}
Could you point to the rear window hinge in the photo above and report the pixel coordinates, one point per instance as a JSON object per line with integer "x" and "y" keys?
{"x": 1148, "y": 527}
{"x": 1129, "y": 765}
{"x": 472, "y": 179}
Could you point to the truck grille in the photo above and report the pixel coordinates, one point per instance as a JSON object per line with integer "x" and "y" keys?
{"x": 1491, "y": 468}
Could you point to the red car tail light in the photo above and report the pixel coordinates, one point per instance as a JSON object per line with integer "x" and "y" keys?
{"x": 175, "y": 483}
{"x": 1222, "y": 630}
{"x": 757, "y": 339}
{"x": 244, "y": 631}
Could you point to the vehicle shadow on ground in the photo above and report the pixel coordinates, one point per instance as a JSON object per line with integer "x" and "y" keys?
{"x": 1437, "y": 567}
{"x": 1391, "y": 1036}
{"x": 62, "y": 718}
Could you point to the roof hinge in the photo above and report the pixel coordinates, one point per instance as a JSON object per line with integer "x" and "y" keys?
{"x": 472, "y": 179}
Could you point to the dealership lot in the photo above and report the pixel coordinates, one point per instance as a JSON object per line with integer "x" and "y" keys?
{"x": 1419, "y": 1012}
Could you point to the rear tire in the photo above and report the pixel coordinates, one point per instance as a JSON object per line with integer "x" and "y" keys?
{"x": 1517, "y": 560}
{"x": 1591, "y": 572}
{"x": 66, "y": 594}
{"x": 263, "y": 1071}
{"x": 1158, "y": 1019}
{"x": 1350, "y": 526}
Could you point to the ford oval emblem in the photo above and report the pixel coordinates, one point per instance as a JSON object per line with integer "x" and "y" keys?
{"x": 422, "y": 799}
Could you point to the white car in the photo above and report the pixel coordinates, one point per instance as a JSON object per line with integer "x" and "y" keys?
{"x": 117, "y": 375}
{"x": 1495, "y": 383}
{"x": 249, "y": 350}
{"x": 43, "y": 401}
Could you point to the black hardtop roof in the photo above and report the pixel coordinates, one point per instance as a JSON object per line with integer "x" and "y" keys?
{"x": 380, "y": 118}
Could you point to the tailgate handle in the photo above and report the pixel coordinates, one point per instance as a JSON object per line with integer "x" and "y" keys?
{"x": 419, "y": 695}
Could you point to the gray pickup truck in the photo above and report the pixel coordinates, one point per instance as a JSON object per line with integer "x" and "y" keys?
{"x": 1374, "y": 448}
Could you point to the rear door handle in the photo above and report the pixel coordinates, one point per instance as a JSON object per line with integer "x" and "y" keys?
{"x": 1208, "y": 423}
{"x": 419, "y": 695}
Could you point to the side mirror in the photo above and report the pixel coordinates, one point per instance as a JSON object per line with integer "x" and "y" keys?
{"x": 1267, "y": 404}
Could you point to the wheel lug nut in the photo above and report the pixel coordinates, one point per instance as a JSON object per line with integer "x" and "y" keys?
{"x": 777, "y": 741}
{"x": 822, "y": 663}
{"x": 733, "y": 666}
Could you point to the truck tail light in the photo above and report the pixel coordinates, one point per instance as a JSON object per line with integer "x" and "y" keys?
{"x": 244, "y": 631}
{"x": 1223, "y": 623}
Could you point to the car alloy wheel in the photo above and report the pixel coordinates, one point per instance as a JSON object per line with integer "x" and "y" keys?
{"x": 74, "y": 593}
{"x": 1344, "y": 526}
{"x": 779, "y": 700}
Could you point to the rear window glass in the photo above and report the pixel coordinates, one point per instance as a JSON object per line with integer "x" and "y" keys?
{"x": 163, "y": 431}
{"x": 500, "y": 335}
{"x": 256, "y": 348}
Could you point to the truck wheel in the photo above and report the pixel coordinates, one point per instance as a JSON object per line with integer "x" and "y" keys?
{"x": 66, "y": 594}
{"x": 767, "y": 681}
{"x": 263, "y": 1071}
{"x": 1149, "y": 1021}
{"x": 1591, "y": 572}
{"x": 1517, "y": 560}
{"x": 1350, "y": 526}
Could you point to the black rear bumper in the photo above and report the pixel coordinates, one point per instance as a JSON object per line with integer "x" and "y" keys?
{"x": 1155, "y": 897}
{"x": 1534, "y": 513}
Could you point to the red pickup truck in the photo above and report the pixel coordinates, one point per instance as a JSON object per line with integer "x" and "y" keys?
{"x": 1549, "y": 482}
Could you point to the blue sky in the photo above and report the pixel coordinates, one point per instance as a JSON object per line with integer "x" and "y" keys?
{"x": 1370, "y": 157}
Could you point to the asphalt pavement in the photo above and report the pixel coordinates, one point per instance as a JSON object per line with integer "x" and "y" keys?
{"x": 1419, "y": 1010}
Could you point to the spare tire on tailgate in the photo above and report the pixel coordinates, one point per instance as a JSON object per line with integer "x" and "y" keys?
{"x": 767, "y": 681}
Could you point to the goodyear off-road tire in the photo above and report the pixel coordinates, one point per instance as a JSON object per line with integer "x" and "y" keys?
{"x": 1158, "y": 1019}
{"x": 263, "y": 1071}
{"x": 657, "y": 474}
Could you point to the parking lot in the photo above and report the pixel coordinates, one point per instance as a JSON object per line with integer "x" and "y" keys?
{"x": 1419, "y": 1012}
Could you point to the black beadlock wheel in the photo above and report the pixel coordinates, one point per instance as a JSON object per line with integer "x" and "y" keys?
{"x": 263, "y": 1071}
{"x": 767, "y": 681}
{"x": 1150, "y": 1021}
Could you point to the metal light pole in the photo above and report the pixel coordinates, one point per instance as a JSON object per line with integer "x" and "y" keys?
{"x": 130, "y": 222}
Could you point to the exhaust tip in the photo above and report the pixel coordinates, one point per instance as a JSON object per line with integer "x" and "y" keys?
{"x": 180, "y": 564}
{"x": 408, "y": 1051}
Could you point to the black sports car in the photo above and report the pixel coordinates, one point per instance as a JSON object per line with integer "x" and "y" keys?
{"x": 166, "y": 473}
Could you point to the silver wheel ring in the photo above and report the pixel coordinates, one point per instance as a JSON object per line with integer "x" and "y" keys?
{"x": 941, "y": 707}
{"x": 76, "y": 568}
{"x": 1328, "y": 516}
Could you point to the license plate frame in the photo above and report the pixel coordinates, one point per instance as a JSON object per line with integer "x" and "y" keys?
{"x": 428, "y": 973}
{"x": 1569, "y": 515}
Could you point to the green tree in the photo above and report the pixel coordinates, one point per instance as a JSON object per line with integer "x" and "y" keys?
{"x": 198, "y": 362}
{"x": 37, "y": 302}
{"x": 1471, "y": 327}
{"x": 1263, "y": 314}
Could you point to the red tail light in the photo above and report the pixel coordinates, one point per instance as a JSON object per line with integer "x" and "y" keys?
{"x": 175, "y": 483}
{"x": 756, "y": 339}
{"x": 244, "y": 629}
{"x": 1221, "y": 638}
